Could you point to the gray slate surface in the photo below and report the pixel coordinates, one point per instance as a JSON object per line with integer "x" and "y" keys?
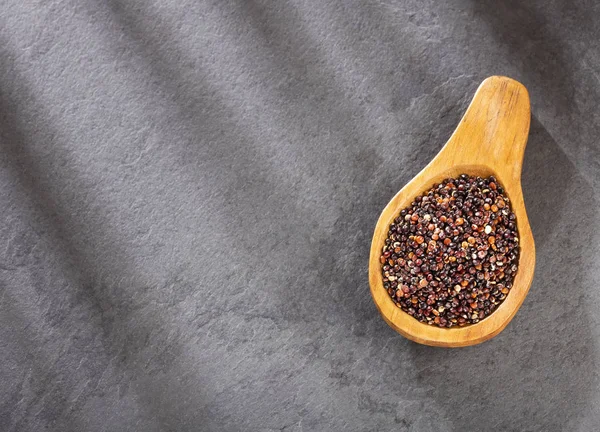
{"x": 188, "y": 193}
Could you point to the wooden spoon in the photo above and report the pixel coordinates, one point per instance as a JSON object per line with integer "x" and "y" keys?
{"x": 490, "y": 140}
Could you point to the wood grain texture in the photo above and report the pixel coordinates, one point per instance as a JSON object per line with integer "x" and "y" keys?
{"x": 490, "y": 140}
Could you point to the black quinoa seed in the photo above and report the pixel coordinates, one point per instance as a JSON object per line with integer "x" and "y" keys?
{"x": 451, "y": 257}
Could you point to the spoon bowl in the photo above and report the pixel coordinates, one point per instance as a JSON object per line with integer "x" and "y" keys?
{"x": 489, "y": 140}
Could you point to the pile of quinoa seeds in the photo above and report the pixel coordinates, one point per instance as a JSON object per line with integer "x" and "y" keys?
{"x": 451, "y": 257}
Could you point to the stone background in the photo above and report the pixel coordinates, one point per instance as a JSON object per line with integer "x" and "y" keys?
{"x": 189, "y": 190}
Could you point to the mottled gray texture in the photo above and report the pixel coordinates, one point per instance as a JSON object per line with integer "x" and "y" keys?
{"x": 189, "y": 190}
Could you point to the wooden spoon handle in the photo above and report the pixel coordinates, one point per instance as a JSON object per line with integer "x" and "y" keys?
{"x": 494, "y": 129}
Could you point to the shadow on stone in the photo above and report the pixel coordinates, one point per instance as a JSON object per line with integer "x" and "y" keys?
{"x": 543, "y": 358}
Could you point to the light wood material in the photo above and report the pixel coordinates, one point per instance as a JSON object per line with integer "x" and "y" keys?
{"x": 490, "y": 140}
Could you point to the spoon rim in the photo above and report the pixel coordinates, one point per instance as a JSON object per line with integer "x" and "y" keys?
{"x": 470, "y": 334}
